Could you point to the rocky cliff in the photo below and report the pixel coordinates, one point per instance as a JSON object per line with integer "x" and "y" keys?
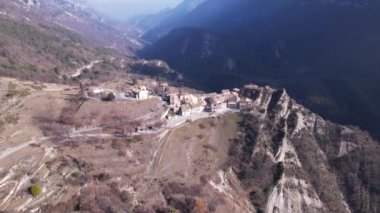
{"x": 291, "y": 160}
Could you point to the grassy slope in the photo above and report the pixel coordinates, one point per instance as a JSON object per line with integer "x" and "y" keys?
{"x": 41, "y": 52}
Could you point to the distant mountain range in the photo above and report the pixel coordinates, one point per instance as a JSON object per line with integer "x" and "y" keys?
{"x": 48, "y": 40}
{"x": 324, "y": 52}
{"x": 158, "y": 25}
{"x": 73, "y": 15}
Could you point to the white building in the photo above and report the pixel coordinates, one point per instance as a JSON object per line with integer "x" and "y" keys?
{"x": 189, "y": 99}
{"x": 142, "y": 94}
{"x": 187, "y": 109}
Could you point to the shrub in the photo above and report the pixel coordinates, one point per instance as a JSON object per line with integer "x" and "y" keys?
{"x": 35, "y": 190}
{"x": 200, "y": 205}
{"x": 134, "y": 82}
{"x": 24, "y": 93}
{"x": 2, "y": 124}
{"x": 200, "y": 137}
{"x": 202, "y": 126}
{"x": 210, "y": 147}
{"x": 11, "y": 90}
{"x": 12, "y": 119}
{"x": 121, "y": 154}
{"x": 64, "y": 77}
{"x": 277, "y": 172}
{"x": 110, "y": 97}
{"x": 212, "y": 124}
{"x": 102, "y": 177}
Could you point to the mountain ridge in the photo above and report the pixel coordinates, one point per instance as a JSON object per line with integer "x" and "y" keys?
{"x": 287, "y": 45}
{"x": 73, "y": 15}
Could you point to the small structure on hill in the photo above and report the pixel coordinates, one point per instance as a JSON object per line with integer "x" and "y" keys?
{"x": 233, "y": 103}
{"x": 246, "y": 104}
{"x": 189, "y": 109}
{"x": 174, "y": 102}
{"x": 216, "y": 103}
{"x": 191, "y": 104}
{"x": 164, "y": 86}
{"x": 143, "y": 93}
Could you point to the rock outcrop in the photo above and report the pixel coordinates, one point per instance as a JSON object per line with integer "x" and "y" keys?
{"x": 292, "y": 160}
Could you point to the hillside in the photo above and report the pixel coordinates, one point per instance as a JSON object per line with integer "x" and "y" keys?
{"x": 73, "y": 15}
{"x": 44, "y": 40}
{"x": 323, "y": 52}
{"x": 277, "y": 157}
{"x": 41, "y": 51}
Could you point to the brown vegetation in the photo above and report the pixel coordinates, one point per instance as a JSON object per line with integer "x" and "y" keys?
{"x": 257, "y": 173}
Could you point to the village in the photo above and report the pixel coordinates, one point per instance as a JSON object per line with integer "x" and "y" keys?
{"x": 181, "y": 105}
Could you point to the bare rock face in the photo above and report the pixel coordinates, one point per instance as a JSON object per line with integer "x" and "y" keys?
{"x": 292, "y": 160}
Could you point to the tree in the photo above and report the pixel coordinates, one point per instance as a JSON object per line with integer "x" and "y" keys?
{"x": 200, "y": 205}
{"x": 110, "y": 97}
{"x": 35, "y": 190}
{"x": 134, "y": 81}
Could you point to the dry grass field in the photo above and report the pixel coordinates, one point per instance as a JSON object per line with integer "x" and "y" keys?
{"x": 102, "y": 171}
{"x": 94, "y": 112}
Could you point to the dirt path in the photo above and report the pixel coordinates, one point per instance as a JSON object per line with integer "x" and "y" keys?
{"x": 109, "y": 125}
{"x": 160, "y": 152}
{"x": 9, "y": 151}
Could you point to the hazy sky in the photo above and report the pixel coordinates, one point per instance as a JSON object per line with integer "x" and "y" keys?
{"x": 123, "y": 9}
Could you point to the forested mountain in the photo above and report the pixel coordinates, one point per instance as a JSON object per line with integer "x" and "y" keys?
{"x": 324, "y": 52}
{"x": 157, "y": 25}
{"x": 73, "y": 15}
{"x": 50, "y": 40}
